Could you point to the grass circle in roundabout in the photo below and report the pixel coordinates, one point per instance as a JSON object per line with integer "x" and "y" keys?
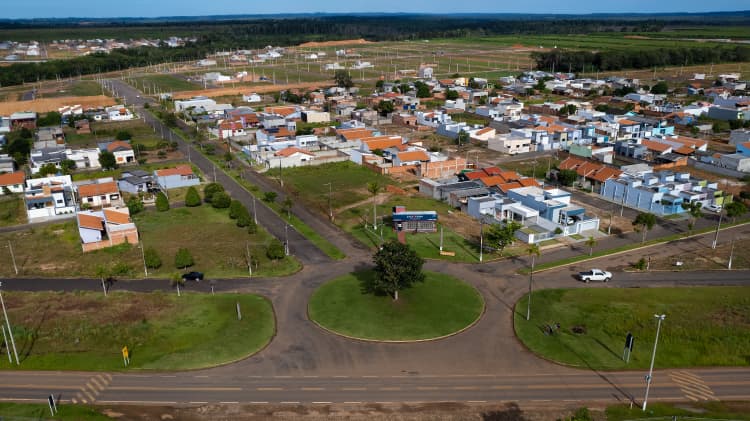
{"x": 440, "y": 306}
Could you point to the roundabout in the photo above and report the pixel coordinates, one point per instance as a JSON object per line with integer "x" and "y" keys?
{"x": 439, "y": 307}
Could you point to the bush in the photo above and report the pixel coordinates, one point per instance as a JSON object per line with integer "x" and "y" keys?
{"x": 269, "y": 196}
{"x": 210, "y": 189}
{"x": 135, "y": 205}
{"x": 121, "y": 269}
{"x": 192, "y": 198}
{"x": 235, "y": 208}
{"x": 640, "y": 264}
{"x": 243, "y": 219}
{"x": 275, "y": 250}
{"x": 123, "y": 135}
{"x": 221, "y": 200}
{"x": 252, "y": 227}
{"x": 162, "y": 203}
{"x": 151, "y": 256}
{"x": 183, "y": 259}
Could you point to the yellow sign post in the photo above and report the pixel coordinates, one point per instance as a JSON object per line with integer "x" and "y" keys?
{"x": 125, "y": 356}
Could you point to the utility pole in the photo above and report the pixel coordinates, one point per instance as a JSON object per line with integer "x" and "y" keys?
{"x": 13, "y": 257}
{"x": 330, "y": 193}
{"x": 143, "y": 255}
{"x": 731, "y": 255}
{"x": 255, "y": 213}
{"x": 481, "y": 239}
{"x": 7, "y": 323}
{"x": 249, "y": 259}
{"x": 718, "y": 226}
{"x": 286, "y": 240}
{"x": 660, "y": 318}
{"x": 531, "y": 278}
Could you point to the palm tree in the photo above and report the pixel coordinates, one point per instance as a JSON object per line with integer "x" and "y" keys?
{"x": 647, "y": 221}
{"x": 533, "y": 251}
{"x": 374, "y": 188}
{"x": 591, "y": 243}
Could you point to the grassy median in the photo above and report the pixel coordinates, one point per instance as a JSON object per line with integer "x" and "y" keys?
{"x": 86, "y": 331}
{"x": 704, "y": 326}
{"x": 440, "y": 306}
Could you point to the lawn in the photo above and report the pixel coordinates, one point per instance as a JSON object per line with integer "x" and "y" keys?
{"x": 427, "y": 245}
{"x": 165, "y": 83}
{"x": 440, "y": 306}
{"x": 105, "y": 131}
{"x": 12, "y": 210}
{"x": 349, "y": 183}
{"x": 86, "y": 330}
{"x": 704, "y": 326}
{"x": 695, "y": 410}
{"x": 40, "y": 411}
{"x": 217, "y": 245}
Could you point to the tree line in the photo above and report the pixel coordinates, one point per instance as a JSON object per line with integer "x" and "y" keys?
{"x": 578, "y": 61}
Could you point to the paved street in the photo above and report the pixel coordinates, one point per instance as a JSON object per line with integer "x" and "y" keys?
{"x": 304, "y": 364}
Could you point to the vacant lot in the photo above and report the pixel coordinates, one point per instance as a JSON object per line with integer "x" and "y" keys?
{"x": 219, "y": 248}
{"x": 439, "y": 306}
{"x": 163, "y": 83}
{"x": 86, "y": 331}
{"x": 52, "y": 104}
{"x": 704, "y": 326}
{"x": 12, "y": 210}
{"x": 107, "y": 130}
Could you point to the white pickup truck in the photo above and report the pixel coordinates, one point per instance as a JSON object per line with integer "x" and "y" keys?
{"x": 595, "y": 275}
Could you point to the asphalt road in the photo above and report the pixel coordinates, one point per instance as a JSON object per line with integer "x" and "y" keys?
{"x": 304, "y": 364}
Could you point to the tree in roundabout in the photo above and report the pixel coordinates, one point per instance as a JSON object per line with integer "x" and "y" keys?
{"x": 395, "y": 301}
{"x": 397, "y": 267}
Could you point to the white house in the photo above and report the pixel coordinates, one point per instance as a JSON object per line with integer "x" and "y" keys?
{"x": 101, "y": 193}
{"x": 122, "y": 151}
{"x": 510, "y": 143}
{"x": 119, "y": 113}
{"x": 12, "y": 181}
{"x": 49, "y": 198}
{"x": 84, "y": 158}
{"x": 252, "y": 97}
{"x": 289, "y": 157}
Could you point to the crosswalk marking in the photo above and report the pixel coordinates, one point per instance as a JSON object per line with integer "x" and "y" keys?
{"x": 692, "y": 386}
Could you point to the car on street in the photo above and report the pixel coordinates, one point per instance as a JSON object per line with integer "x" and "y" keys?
{"x": 192, "y": 276}
{"x": 595, "y": 275}
{"x": 714, "y": 208}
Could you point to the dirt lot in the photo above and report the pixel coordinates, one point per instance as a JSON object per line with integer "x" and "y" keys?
{"x": 52, "y": 104}
{"x": 335, "y": 43}
{"x": 369, "y": 412}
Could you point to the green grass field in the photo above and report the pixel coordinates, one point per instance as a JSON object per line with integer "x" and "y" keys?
{"x": 427, "y": 245}
{"x": 86, "y": 330}
{"x": 40, "y": 411}
{"x": 164, "y": 83}
{"x": 12, "y": 210}
{"x": 219, "y": 248}
{"x": 440, "y": 306}
{"x": 695, "y": 410}
{"x": 103, "y": 131}
{"x": 704, "y": 326}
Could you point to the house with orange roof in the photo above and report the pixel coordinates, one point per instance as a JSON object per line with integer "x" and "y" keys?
{"x": 105, "y": 228}
{"x": 12, "y": 182}
{"x": 121, "y": 149}
{"x": 101, "y": 193}
{"x": 288, "y": 157}
{"x": 414, "y": 157}
{"x": 176, "y": 177}
{"x": 370, "y": 144}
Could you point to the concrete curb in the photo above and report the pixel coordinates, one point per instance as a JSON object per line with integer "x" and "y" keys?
{"x": 385, "y": 341}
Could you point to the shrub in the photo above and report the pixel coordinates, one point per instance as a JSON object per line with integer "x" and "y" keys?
{"x": 252, "y": 227}
{"x": 269, "y": 196}
{"x": 243, "y": 219}
{"x": 221, "y": 200}
{"x": 183, "y": 259}
{"x": 235, "y": 209}
{"x": 123, "y": 135}
{"x": 640, "y": 264}
{"x": 192, "y": 198}
{"x": 121, "y": 269}
{"x": 135, "y": 205}
{"x": 151, "y": 256}
{"x": 210, "y": 189}
{"x": 162, "y": 203}
{"x": 275, "y": 250}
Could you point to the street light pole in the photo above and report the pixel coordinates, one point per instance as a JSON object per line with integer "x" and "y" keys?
{"x": 143, "y": 255}
{"x": 330, "y": 193}
{"x": 531, "y": 277}
{"x": 659, "y": 318}
{"x": 481, "y": 239}
{"x": 718, "y": 226}
{"x": 7, "y": 323}
{"x": 13, "y": 257}
{"x": 286, "y": 239}
{"x": 255, "y": 212}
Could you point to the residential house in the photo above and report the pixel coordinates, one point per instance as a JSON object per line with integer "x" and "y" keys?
{"x": 7, "y": 164}
{"x": 106, "y": 228}
{"x": 49, "y": 198}
{"x": 25, "y": 119}
{"x": 510, "y": 143}
{"x": 252, "y": 97}
{"x": 172, "y": 178}
{"x": 83, "y": 126}
{"x": 12, "y": 182}
{"x": 84, "y": 158}
{"x": 289, "y": 157}
{"x": 101, "y": 193}
{"x": 40, "y": 157}
{"x": 414, "y": 157}
{"x": 119, "y": 113}
{"x": 135, "y": 181}
{"x": 122, "y": 150}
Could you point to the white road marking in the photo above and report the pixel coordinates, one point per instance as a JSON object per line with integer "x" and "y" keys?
{"x": 228, "y": 402}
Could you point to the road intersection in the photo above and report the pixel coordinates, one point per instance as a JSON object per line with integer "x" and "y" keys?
{"x": 306, "y": 365}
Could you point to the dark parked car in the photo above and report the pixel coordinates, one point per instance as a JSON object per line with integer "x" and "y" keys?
{"x": 192, "y": 276}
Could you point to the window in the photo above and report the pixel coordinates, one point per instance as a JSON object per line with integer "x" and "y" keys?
{"x": 90, "y": 199}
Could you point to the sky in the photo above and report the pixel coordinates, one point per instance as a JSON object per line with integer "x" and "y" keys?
{"x": 154, "y": 8}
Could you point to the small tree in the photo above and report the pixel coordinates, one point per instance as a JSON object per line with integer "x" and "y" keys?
{"x": 123, "y": 135}
{"x": 221, "y": 200}
{"x": 48, "y": 169}
{"x": 660, "y": 88}
{"x": 210, "y": 190}
{"x": 252, "y": 227}
{"x": 343, "y": 79}
{"x": 451, "y": 95}
{"x": 591, "y": 243}
{"x": 502, "y": 235}
{"x": 735, "y": 209}
{"x": 463, "y": 138}
{"x": 103, "y": 272}
{"x": 176, "y": 282}
{"x": 151, "y": 256}
{"x": 286, "y": 206}
{"x": 135, "y": 205}
{"x": 694, "y": 210}
{"x": 567, "y": 177}
{"x": 397, "y": 267}
{"x": 385, "y": 107}
{"x": 235, "y": 207}
{"x": 107, "y": 160}
{"x": 374, "y": 188}
{"x": 192, "y": 198}
{"x": 183, "y": 259}
{"x": 162, "y": 203}
{"x": 269, "y": 196}
{"x": 243, "y": 218}
{"x": 275, "y": 250}
{"x": 646, "y": 221}
{"x": 67, "y": 166}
